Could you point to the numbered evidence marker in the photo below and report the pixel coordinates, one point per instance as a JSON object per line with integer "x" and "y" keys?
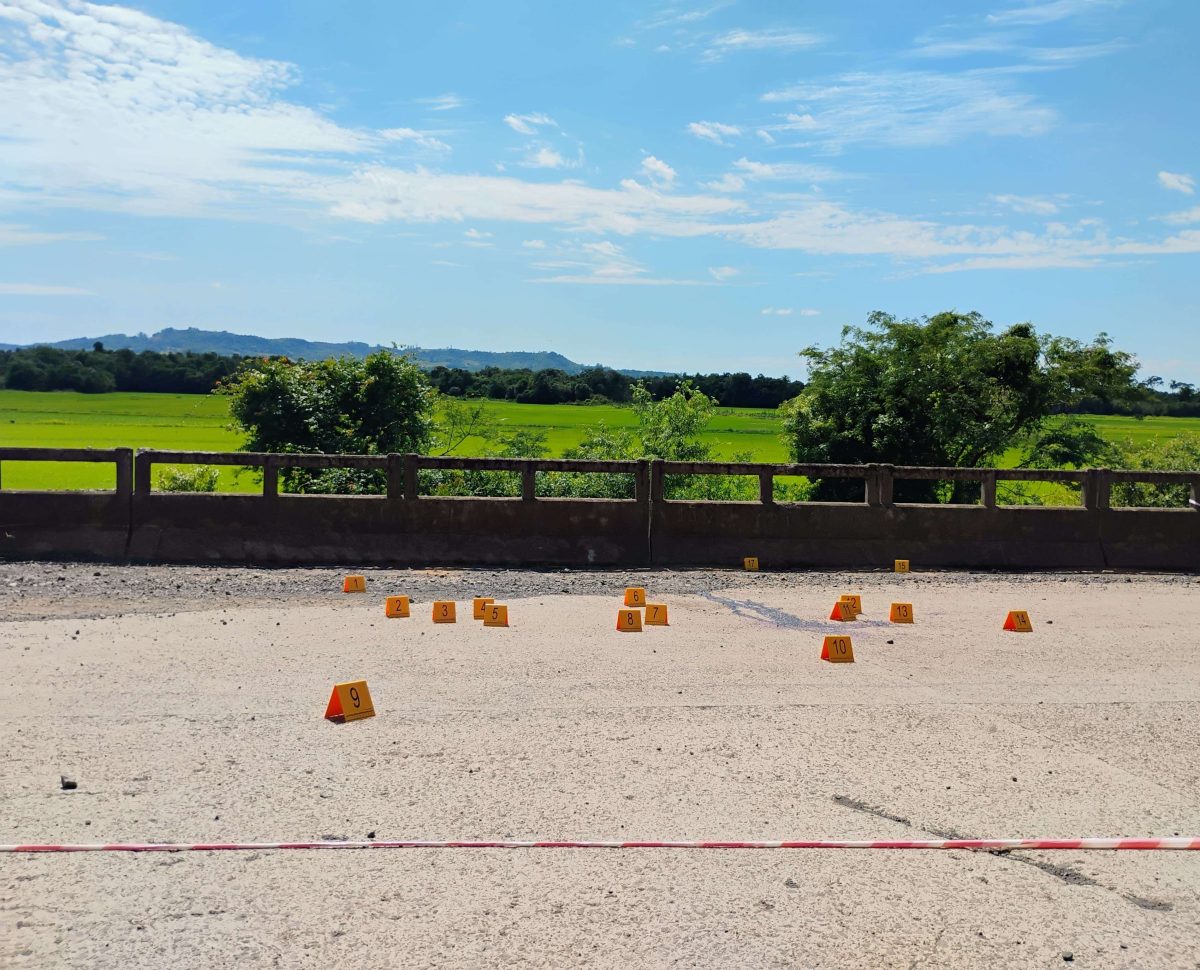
{"x": 395, "y": 606}
{"x": 1018, "y": 622}
{"x": 349, "y": 702}
{"x": 838, "y": 650}
{"x": 443, "y": 612}
{"x": 750, "y": 564}
{"x": 855, "y": 601}
{"x": 635, "y": 596}
{"x": 843, "y": 611}
{"x": 901, "y": 613}
{"x": 479, "y": 607}
{"x": 629, "y": 621}
{"x": 354, "y": 584}
{"x": 656, "y": 614}
{"x": 901, "y": 566}
{"x": 497, "y": 615}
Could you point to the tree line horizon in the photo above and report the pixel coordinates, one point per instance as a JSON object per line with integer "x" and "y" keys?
{"x": 99, "y": 371}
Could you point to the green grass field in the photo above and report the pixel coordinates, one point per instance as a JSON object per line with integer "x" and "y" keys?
{"x": 65, "y": 419}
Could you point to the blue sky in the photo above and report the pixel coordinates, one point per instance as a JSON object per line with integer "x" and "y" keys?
{"x": 706, "y": 186}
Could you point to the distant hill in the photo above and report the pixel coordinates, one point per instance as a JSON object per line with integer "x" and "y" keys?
{"x": 248, "y": 345}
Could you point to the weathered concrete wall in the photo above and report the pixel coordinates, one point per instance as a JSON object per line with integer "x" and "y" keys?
{"x": 137, "y": 524}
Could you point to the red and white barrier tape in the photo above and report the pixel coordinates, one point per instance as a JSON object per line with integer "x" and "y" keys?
{"x": 970, "y": 844}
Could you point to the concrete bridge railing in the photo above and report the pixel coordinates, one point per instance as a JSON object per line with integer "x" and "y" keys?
{"x": 404, "y": 527}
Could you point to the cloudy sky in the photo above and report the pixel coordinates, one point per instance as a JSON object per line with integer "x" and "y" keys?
{"x": 700, "y": 186}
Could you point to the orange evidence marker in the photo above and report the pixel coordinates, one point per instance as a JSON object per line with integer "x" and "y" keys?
{"x": 354, "y": 584}
{"x": 843, "y": 611}
{"x": 497, "y": 615}
{"x": 901, "y": 566}
{"x": 635, "y": 596}
{"x": 443, "y": 612}
{"x": 1018, "y": 622}
{"x": 479, "y": 607}
{"x": 395, "y": 606}
{"x": 656, "y": 614}
{"x": 750, "y": 564}
{"x": 855, "y": 601}
{"x": 349, "y": 702}
{"x": 901, "y": 613}
{"x": 838, "y": 650}
{"x": 629, "y": 621}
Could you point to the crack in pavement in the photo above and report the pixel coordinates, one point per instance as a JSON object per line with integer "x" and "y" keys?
{"x": 1072, "y": 877}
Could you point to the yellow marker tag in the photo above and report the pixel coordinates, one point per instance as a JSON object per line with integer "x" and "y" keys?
{"x": 349, "y": 702}
{"x": 843, "y": 611}
{"x": 497, "y": 615}
{"x": 443, "y": 612}
{"x": 656, "y": 614}
{"x": 395, "y": 606}
{"x": 750, "y": 564}
{"x": 901, "y": 613}
{"x": 354, "y": 584}
{"x": 838, "y": 650}
{"x": 1018, "y": 621}
{"x": 901, "y": 565}
{"x": 855, "y": 602}
{"x": 479, "y": 607}
{"x": 635, "y": 596}
{"x": 629, "y": 621}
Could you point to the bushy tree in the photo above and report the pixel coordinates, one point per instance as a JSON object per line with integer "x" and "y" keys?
{"x": 944, "y": 390}
{"x": 372, "y": 406}
{"x": 1181, "y": 453}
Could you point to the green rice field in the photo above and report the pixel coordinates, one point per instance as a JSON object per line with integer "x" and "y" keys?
{"x": 66, "y": 419}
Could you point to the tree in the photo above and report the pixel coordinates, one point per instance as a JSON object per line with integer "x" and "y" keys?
{"x": 944, "y": 390}
{"x": 374, "y": 406}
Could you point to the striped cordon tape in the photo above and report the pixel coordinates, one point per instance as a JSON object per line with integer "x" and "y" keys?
{"x": 987, "y": 845}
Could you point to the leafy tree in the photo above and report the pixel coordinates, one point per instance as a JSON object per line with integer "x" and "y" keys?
{"x": 372, "y": 406}
{"x": 1181, "y": 453}
{"x": 944, "y": 390}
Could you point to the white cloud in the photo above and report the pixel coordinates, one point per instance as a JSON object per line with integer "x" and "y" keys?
{"x": 1027, "y": 204}
{"x": 443, "y": 102}
{"x": 734, "y": 41}
{"x": 37, "y": 289}
{"x": 528, "y": 124}
{"x": 534, "y": 244}
{"x": 420, "y": 138}
{"x": 1183, "y": 218}
{"x": 1177, "y": 182}
{"x": 1044, "y": 13}
{"x": 766, "y": 136}
{"x": 912, "y": 108}
{"x": 544, "y": 158}
{"x": 785, "y": 170}
{"x": 477, "y": 234}
{"x": 810, "y": 312}
{"x": 723, "y": 273}
{"x": 675, "y": 17}
{"x": 605, "y": 263}
{"x": 726, "y": 183}
{"x": 14, "y": 235}
{"x": 713, "y": 131}
{"x": 658, "y": 170}
{"x": 776, "y": 311}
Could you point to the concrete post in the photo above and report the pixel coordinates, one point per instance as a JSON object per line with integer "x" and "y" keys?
{"x": 412, "y": 482}
{"x": 270, "y": 478}
{"x": 141, "y": 473}
{"x": 642, "y": 488}
{"x": 886, "y": 479}
{"x": 124, "y": 472}
{"x": 1097, "y": 489}
{"x": 766, "y": 487}
{"x": 395, "y": 477}
{"x": 528, "y": 483}
{"x": 987, "y": 489}
{"x": 656, "y": 480}
{"x": 871, "y": 483}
